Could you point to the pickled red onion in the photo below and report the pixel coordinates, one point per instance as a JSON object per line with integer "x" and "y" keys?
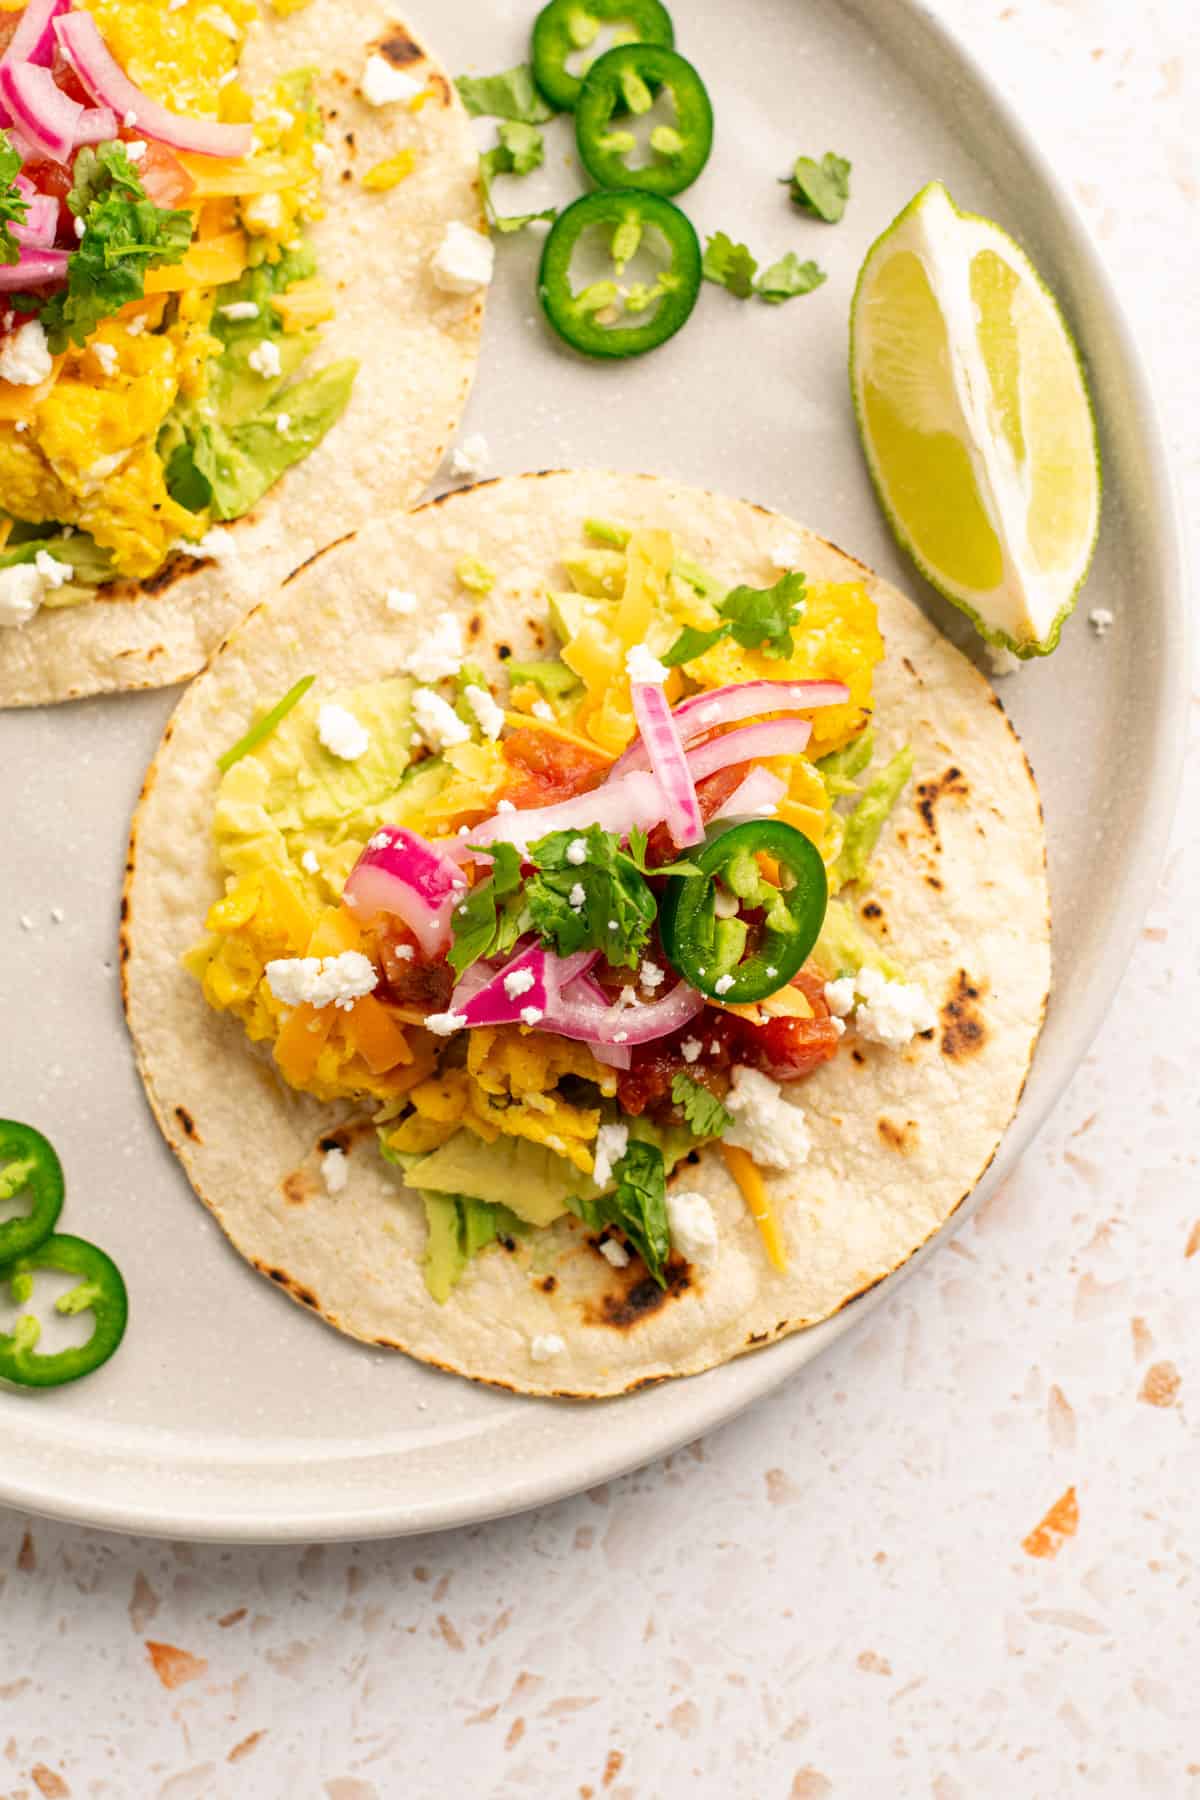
{"x": 400, "y": 874}
{"x": 109, "y": 85}
{"x": 663, "y": 745}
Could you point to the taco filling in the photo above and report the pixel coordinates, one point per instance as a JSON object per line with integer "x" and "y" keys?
{"x": 161, "y": 313}
{"x": 560, "y": 930}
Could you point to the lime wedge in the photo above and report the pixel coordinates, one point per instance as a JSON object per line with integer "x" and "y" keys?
{"x": 976, "y": 421}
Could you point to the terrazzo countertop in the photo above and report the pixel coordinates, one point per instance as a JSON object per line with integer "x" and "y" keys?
{"x": 956, "y": 1558}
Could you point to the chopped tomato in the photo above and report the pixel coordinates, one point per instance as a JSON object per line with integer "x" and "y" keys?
{"x": 66, "y": 78}
{"x": 547, "y": 769}
{"x": 164, "y": 177}
{"x": 410, "y": 979}
{"x": 55, "y": 179}
{"x": 712, "y": 793}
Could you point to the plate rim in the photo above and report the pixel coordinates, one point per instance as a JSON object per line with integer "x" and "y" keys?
{"x": 768, "y": 1370}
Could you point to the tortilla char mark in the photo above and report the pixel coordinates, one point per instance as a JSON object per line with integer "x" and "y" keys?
{"x": 399, "y": 49}
{"x": 188, "y": 1124}
{"x": 952, "y": 783}
{"x": 642, "y": 1298}
{"x": 963, "y": 1030}
{"x": 898, "y": 1134}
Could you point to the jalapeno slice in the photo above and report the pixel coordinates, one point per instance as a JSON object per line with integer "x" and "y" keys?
{"x": 28, "y": 1162}
{"x": 589, "y": 320}
{"x": 710, "y": 950}
{"x": 567, "y": 26}
{"x": 630, "y": 78}
{"x": 100, "y": 1291}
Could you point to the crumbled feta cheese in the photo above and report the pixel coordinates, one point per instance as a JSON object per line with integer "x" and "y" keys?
{"x": 532, "y": 1015}
{"x": 335, "y": 1171}
{"x": 216, "y": 543}
{"x": 577, "y": 852}
{"x": 464, "y": 261}
{"x": 283, "y": 423}
{"x": 693, "y": 1227}
{"x": 691, "y": 1049}
{"x": 264, "y": 359}
{"x": 765, "y": 1124}
{"x": 25, "y": 359}
{"x": 404, "y": 952}
{"x": 21, "y": 589}
{"x": 471, "y": 457}
{"x": 398, "y": 601}
{"x": 891, "y": 1012}
{"x": 442, "y": 1024}
{"x": 519, "y": 982}
{"x": 1101, "y": 620}
{"x": 136, "y": 149}
{"x": 382, "y": 85}
{"x": 106, "y": 356}
{"x": 309, "y": 863}
{"x": 55, "y": 574}
{"x": 322, "y": 980}
{"x": 542, "y": 709}
{"x": 1001, "y": 661}
{"x": 839, "y": 996}
{"x": 839, "y": 1026}
{"x": 577, "y": 897}
{"x": 722, "y": 984}
{"x": 616, "y": 1255}
{"x": 651, "y": 976}
{"x": 612, "y": 1141}
{"x": 437, "y": 721}
{"x": 341, "y": 733}
{"x": 644, "y": 669}
{"x": 787, "y": 554}
{"x": 505, "y": 806}
{"x": 548, "y": 1345}
{"x": 239, "y": 309}
{"x": 439, "y": 653}
{"x": 129, "y": 120}
{"x": 489, "y": 716}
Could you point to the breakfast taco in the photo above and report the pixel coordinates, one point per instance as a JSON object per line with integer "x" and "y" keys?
{"x": 584, "y": 931}
{"x": 241, "y": 275}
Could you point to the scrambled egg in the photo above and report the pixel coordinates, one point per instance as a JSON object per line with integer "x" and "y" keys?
{"x": 177, "y": 53}
{"x": 329, "y": 1052}
{"x": 507, "y": 1088}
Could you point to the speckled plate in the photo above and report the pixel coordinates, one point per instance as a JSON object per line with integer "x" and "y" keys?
{"x": 229, "y": 1414}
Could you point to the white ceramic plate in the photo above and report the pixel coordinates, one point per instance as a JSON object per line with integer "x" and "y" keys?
{"x": 229, "y": 1413}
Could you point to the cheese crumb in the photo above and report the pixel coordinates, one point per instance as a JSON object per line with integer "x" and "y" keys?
{"x": 264, "y": 359}
{"x": 443, "y": 1024}
{"x": 616, "y": 1255}
{"x": 470, "y": 458}
{"x": 322, "y": 980}
{"x": 106, "y": 356}
{"x": 25, "y": 358}
{"x": 577, "y": 852}
{"x": 839, "y": 996}
{"x": 341, "y": 733}
{"x": 437, "y": 721}
{"x": 54, "y": 573}
{"x": 612, "y": 1141}
{"x": 891, "y": 1012}
{"x": 400, "y": 602}
{"x": 505, "y": 806}
{"x": 489, "y": 716}
{"x": 577, "y": 897}
{"x": 464, "y": 261}
{"x": 766, "y": 1124}
{"x": 532, "y": 1015}
{"x": 239, "y": 309}
{"x": 382, "y": 85}
{"x": 693, "y": 1227}
{"x": 651, "y": 976}
{"x": 439, "y": 653}
{"x": 309, "y": 863}
{"x": 787, "y": 554}
{"x": 335, "y": 1171}
{"x": 21, "y": 589}
{"x": 722, "y": 984}
{"x": 519, "y": 982}
{"x": 548, "y": 1345}
{"x": 690, "y": 1049}
{"x": 1101, "y": 620}
{"x": 644, "y": 669}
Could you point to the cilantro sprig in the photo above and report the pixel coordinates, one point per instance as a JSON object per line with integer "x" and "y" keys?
{"x": 734, "y": 267}
{"x": 637, "y": 1206}
{"x": 124, "y": 235}
{"x": 820, "y": 189}
{"x": 520, "y": 149}
{"x": 707, "y": 1116}
{"x": 755, "y": 618}
{"x": 513, "y": 94}
{"x": 14, "y": 208}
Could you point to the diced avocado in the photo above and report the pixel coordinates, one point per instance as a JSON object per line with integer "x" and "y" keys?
{"x": 512, "y": 1172}
{"x": 703, "y": 585}
{"x": 869, "y": 818}
{"x": 568, "y": 615}
{"x": 844, "y": 948}
{"x": 602, "y": 531}
{"x": 92, "y": 566}
{"x": 445, "y": 1256}
{"x": 598, "y": 573}
{"x": 551, "y": 677}
{"x": 839, "y": 770}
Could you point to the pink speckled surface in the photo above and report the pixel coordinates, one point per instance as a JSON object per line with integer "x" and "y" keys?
{"x": 831, "y": 1596}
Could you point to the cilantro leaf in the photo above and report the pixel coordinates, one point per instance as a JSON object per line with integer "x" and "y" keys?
{"x": 14, "y": 208}
{"x": 787, "y": 278}
{"x": 521, "y": 149}
{"x": 764, "y": 617}
{"x": 705, "y": 1114}
{"x": 616, "y": 911}
{"x": 730, "y": 265}
{"x": 124, "y": 235}
{"x": 637, "y": 1206}
{"x": 509, "y": 95}
{"x": 639, "y": 844}
{"x": 821, "y": 188}
{"x": 692, "y": 643}
{"x": 492, "y": 917}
